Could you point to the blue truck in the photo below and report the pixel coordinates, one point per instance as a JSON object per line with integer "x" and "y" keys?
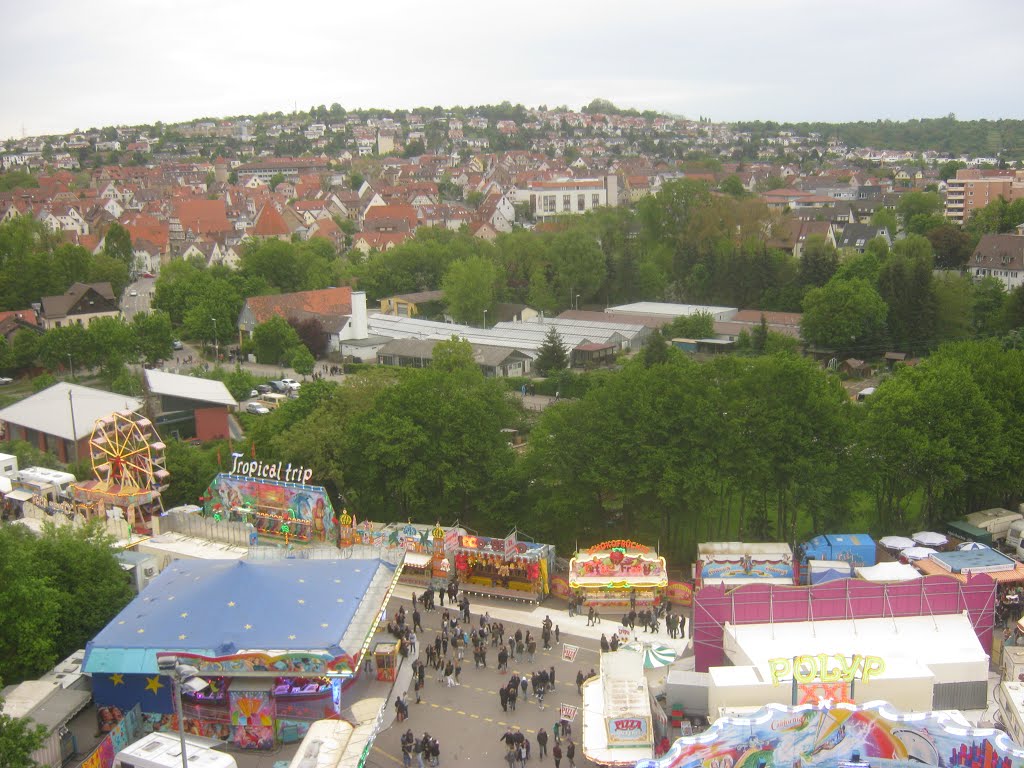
{"x": 857, "y": 549}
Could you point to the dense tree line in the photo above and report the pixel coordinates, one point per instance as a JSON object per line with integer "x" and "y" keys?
{"x": 74, "y": 584}
{"x": 1003, "y": 137}
{"x": 758, "y": 448}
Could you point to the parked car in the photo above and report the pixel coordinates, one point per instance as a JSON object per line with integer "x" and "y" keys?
{"x": 147, "y": 275}
{"x": 256, "y": 408}
{"x": 264, "y": 389}
{"x": 291, "y": 383}
{"x": 133, "y": 292}
{"x": 254, "y": 393}
{"x": 4, "y": 380}
{"x": 177, "y": 344}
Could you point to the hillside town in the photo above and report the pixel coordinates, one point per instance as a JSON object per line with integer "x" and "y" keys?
{"x": 708, "y": 434}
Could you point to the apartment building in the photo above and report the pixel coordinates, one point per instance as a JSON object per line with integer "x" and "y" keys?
{"x": 974, "y": 188}
{"x": 562, "y": 197}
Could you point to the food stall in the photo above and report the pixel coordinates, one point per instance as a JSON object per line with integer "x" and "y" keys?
{"x": 502, "y": 567}
{"x": 385, "y": 657}
{"x": 620, "y": 726}
{"x": 618, "y": 573}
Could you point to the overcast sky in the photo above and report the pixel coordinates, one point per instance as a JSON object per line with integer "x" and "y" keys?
{"x": 71, "y": 64}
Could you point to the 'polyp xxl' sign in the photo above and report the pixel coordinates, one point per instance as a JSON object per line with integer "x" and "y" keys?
{"x": 825, "y": 668}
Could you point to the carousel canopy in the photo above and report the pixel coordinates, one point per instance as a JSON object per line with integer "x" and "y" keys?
{"x": 655, "y": 654}
{"x": 222, "y": 607}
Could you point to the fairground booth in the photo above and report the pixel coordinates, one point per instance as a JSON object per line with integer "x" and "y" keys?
{"x": 618, "y": 573}
{"x": 735, "y": 563}
{"x": 277, "y": 501}
{"x": 504, "y": 567}
{"x": 419, "y": 565}
{"x": 275, "y": 641}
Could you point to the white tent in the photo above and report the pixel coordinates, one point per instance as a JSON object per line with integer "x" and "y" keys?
{"x": 888, "y": 572}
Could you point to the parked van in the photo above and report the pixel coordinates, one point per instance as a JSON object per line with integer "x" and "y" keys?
{"x": 1014, "y": 535}
{"x": 273, "y": 400}
{"x": 996, "y": 521}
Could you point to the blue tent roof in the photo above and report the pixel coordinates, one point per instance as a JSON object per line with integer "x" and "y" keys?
{"x": 220, "y": 607}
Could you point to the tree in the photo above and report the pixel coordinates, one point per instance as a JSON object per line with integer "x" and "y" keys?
{"x": 905, "y": 284}
{"x": 818, "y": 262}
{"x": 106, "y": 269}
{"x": 154, "y": 337}
{"x": 470, "y": 288}
{"x": 552, "y": 355}
{"x": 731, "y": 185}
{"x": 117, "y": 244}
{"x": 989, "y": 302}
{"x": 214, "y": 312}
{"x": 699, "y": 325}
{"x": 355, "y": 180}
{"x": 883, "y": 217}
{"x": 19, "y": 738}
{"x": 845, "y": 315}
{"x": 277, "y": 178}
{"x": 312, "y": 334}
{"x": 81, "y": 563}
{"x": 913, "y": 204}
{"x": 27, "y": 645}
{"x": 655, "y": 350}
{"x": 274, "y": 340}
{"x": 302, "y": 360}
{"x": 952, "y": 246}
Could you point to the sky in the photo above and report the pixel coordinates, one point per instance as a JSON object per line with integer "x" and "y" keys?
{"x": 68, "y": 64}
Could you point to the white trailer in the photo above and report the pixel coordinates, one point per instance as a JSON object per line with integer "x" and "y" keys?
{"x": 163, "y": 750}
{"x": 996, "y": 521}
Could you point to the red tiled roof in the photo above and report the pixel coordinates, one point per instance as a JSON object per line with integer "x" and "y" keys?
{"x": 270, "y": 223}
{"x": 404, "y": 213}
{"x": 203, "y": 216}
{"x": 329, "y": 301}
{"x": 25, "y": 315}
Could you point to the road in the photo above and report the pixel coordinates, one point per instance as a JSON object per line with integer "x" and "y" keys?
{"x": 140, "y": 302}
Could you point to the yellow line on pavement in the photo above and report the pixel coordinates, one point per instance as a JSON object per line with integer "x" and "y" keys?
{"x": 392, "y": 758}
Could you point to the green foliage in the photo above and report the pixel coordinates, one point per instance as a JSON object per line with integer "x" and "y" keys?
{"x": 29, "y": 455}
{"x": 883, "y": 217}
{"x": 947, "y": 135}
{"x": 274, "y": 340}
{"x": 19, "y": 738}
{"x": 277, "y": 178}
{"x": 117, "y": 244}
{"x": 14, "y": 179}
{"x": 302, "y": 360}
{"x": 74, "y": 584}
{"x": 126, "y": 382}
{"x": 819, "y": 261}
{"x": 43, "y": 381}
{"x": 154, "y": 338}
{"x": 997, "y": 217}
{"x": 952, "y": 246}
{"x": 192, "y": 469}
{"x": 25, "y": 348}
{"x": 470, "y": 288}
{"x": 699, "y": 325}
{"x": 905, "y": 284}
{"x": 552, "y": 355}
{"x": 847, "y": 316}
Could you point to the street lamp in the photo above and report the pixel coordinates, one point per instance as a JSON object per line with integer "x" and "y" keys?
{"x": 485, "y": 318}
{"x": 181, "y": 675}
{"x": 71, "y": 365}
{"x": 577, "y": 302}
{"x": 216, "y": 347}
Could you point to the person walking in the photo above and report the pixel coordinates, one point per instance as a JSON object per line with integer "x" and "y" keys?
{"x": 551, "y": 678}
{"x": 513, "y": 694}
{"x": 416, "y": 625}
{"x": 449, "y": 674}
{"x": 407, "y": 741}
{"x": 570, "y": 753}
{"x": 542, "y": 742}
{"x": 557, "y": 633}
{"x": 590, "y": 616}
{"x": 525, "y": 685}
{"x": 579, "y": 682}
{"x": 556, "y": 753}
{"x": 604, "y": 644}
{"x": 503, "y": 695}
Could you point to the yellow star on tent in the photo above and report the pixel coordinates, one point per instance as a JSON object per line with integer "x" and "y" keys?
{"x": 324, "y": 625}
{"x": 184, "y": 614}
{"x": 153, "y": 684}
{"x": 248, "y": 626}
{"x": 141, "y": 630}
{"x": 231, "y": 604}
{"x": 301, "y": 601}
{"x": 291, "y": 637}
{"x": 182, "y": 637}
{"x": 170, "y": 597}
{"x": 302, "y": 581}
{"x": 117, "y": 679}
{"x": 340, "y": 600}
{"x": 121, "y": 621}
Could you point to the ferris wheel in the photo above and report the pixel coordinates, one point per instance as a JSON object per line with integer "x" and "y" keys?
{"x": 126, "y": 451}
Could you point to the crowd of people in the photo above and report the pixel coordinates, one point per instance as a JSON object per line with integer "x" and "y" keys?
{"x": 444, "y": 655}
